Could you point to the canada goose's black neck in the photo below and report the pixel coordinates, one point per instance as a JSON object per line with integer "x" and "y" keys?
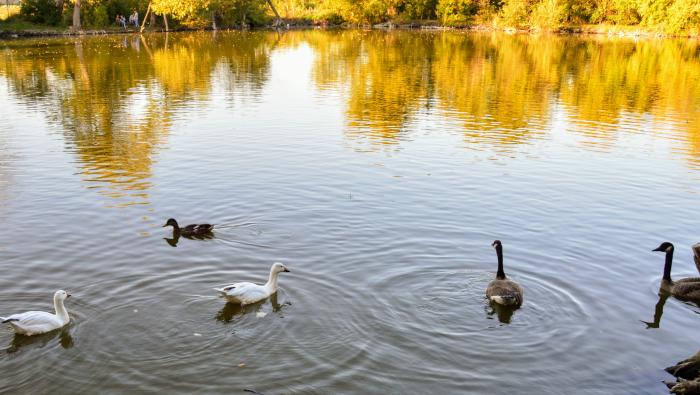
{"x": 667, "y": 267}
{"x": 500, "y": 274}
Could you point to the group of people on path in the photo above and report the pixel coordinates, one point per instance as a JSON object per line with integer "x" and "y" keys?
{"x": 133, "y": 19}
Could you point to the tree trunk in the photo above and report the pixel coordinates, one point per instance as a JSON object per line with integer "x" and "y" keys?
{"x": 165, "y": 20}
{"x": 76, "y": 15}
{"x": 59, "y": 5}
{"x": 152, "y": 23}
{"x": 213, "y": 20}
{"x": 143, "y": 23}
{"x": 278, "y": 19}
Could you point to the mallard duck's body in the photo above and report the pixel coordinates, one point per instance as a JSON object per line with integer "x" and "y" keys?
{"x": 502, "y": 290}
{"x": 190, "y": 230}
{"x": 37, "y": 322}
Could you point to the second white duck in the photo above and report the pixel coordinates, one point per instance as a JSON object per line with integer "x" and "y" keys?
{"x": 37, "y": 322}
{"x": 247, "y": 293}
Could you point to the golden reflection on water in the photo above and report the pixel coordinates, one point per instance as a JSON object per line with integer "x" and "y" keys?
{"x": 507, "y": 90}
{"x": 116, "y": 98}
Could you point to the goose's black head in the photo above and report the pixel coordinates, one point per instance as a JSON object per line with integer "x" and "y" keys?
{"x": 171, "y": 222}
{"x": 665, "y": 246}
{"x": 496, "y": 244}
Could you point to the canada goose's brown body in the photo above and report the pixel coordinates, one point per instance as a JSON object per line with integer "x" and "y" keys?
{"x": 502, "y": 290}
{"x": 687, "y": 289}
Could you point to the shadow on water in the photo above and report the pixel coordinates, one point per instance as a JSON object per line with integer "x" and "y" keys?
{"x": 172, "y": 241}
{"x": 39, "y": 341}
{"x": 504, "y": 313}
{"x": 658, "y": 310}
{"x": 219, "y": 233}
{"x": 233, "y": 310}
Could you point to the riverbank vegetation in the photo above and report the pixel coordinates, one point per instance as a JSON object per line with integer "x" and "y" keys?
{"x": 657, "y": 16}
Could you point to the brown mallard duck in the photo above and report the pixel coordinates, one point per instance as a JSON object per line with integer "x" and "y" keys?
{"x": 502, "y": 290}
{"x": 687, "y": 289}
{"x": 189, "y": 230}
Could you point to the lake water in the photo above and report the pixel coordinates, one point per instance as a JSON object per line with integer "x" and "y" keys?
{"x": 379, "y": 167}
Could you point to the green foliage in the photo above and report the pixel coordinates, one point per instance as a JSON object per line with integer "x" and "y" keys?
{"x": 419, "y": 9}
{"x": 577, "y": 12}
{"x": 515, "y": 12}
{"x": 123, "y": 7}
{"x": 683, "y": 15}
{"x": 652, "y": 12}
{"x": 238, "y": 12}
{"x": 95, "y": 16}
{"x": 40, "y": 11}
{"x": 672, "y": 16}
{"x": 178, "y": 8}
{"x": 547, "y": 14}
{"x": 455, "y": 12}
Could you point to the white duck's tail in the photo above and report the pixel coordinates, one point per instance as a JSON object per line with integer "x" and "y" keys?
{"x": 6, "y": 320}
{"x": 221, "y": 291}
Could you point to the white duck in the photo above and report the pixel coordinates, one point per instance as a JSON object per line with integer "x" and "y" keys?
{"x": 247, "y": 293}
{"x": 36, "y": 322}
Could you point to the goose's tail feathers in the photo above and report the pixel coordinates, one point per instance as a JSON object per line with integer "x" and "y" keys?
{"x": 6, "y": 320}
{"x": 505, "y": 300}
{"x": 696, "y": 255}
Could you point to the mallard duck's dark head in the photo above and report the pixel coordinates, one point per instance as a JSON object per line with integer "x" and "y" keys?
{"x": 171, "y": 222}
{"x": 665, "y": 246}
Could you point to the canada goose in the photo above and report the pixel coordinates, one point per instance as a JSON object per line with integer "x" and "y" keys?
{"x": 696, "y": 255}
{"x": 687, "y": 289}
{"x": 189, "y": 230}
{"x": 502, "y": 290}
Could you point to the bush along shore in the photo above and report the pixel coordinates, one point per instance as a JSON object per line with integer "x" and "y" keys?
{"x": 610, "y": 30}
{"x": 613, "y": 17}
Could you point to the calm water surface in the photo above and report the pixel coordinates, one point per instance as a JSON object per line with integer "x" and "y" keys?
{"x": 379, "y": 167}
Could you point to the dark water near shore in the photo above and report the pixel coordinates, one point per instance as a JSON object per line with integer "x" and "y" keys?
{"x": 378, "y": 167}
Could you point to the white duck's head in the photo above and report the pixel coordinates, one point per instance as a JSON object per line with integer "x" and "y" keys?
{"x": 278, "y": 268}
{"x": 61, "y": 295}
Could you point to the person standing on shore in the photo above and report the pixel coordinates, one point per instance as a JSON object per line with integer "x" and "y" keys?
{"x": 136, "y": 18}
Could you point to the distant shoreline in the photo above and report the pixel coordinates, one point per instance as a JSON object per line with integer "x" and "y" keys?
{"x": 609, "y": 30}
